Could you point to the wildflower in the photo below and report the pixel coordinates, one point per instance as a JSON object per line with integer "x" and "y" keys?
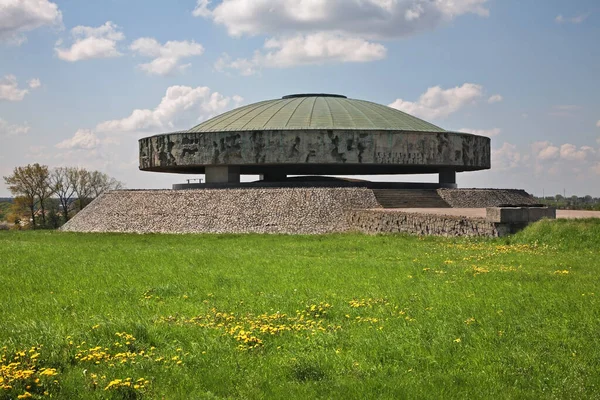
{"x": 457, "y": 340}
{"x": 48, "y": 372}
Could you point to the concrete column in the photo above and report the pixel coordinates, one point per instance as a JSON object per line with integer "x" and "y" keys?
{"x": 222, "y": 174}
{"x": 448, "y": 176}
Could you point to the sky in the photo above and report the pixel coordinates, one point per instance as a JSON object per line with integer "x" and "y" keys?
{"x": 81, "y": 81}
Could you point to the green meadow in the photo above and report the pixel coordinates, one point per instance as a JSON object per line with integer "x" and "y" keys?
{"x": 349, "y": 316}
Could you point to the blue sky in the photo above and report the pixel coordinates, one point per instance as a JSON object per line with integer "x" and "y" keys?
{"x": 72, "y": 74}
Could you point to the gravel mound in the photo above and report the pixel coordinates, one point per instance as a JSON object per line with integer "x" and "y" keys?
{"x": 288, "y": 211}
{"x": 482, "y": 198}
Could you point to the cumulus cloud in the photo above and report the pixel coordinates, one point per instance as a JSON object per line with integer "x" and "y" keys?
{"x": 543, "y": 151}
{"x": 547, "y": 151}
{"x": 577, "y": 19}
{"x": 92, "y": 42}
{"x": 366, "y": 18}
{"x": 166, "y": 57}
{"x": 506, "y": 157}
{"x": 317, "y": 48}
{"x": 10, "y": 90}
{"x": 438, "y": 103}
{"x": 495, "y": 99}
{"x": 7, "y": 129}
{"x": 571, "y": 152}
{"x": 598, "y": 123}
{"x": 180, "y": 105}
{"x": 19, "y": 17}
{"x": 482, "y": 132}
{"x": 596, "y": 168}
{"x": 84, "y": 139}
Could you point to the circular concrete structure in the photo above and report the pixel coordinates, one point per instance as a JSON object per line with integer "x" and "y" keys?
{"x": 314, "y": 134}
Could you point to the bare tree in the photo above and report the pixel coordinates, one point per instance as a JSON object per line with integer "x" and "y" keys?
{"x": 90, "y": 184}
{"x": 61, "y": 182}
{"x": 80, "y": 180}
{"x": 101, "y": 183}
{"x": 43, "y": 187}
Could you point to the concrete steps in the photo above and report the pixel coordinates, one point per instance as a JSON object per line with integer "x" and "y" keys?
{"x": 409, "y": 198}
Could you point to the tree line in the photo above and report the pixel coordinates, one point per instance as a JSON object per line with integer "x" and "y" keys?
{"x": 49, "y": 197}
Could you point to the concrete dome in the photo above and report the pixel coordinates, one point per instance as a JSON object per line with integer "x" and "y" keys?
{"x": 315, "y": 111}
{"x": 314, "y": 134}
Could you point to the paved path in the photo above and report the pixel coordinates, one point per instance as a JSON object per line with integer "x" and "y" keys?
{"x": 480, "y": 212}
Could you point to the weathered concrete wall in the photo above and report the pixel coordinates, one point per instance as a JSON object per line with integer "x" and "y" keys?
{"x": 517, "y": 215}
{"x": 386, "y": 221}
{"x": 483, "y": 198}
{"x": 355, "y": 150}
{"x": 290, "y": 211}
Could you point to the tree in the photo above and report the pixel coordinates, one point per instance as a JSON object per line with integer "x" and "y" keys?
{"x": 35, "y": 185}
{"x": 43, "y": 187}
{"x": 80, "y": 180}
{"x": 18, "y": 209}
{"x": 90, "y": 184}
{"x": 22, "y": 183}
{"x": 61, "y": 179}
{"x": 101, "y": 183}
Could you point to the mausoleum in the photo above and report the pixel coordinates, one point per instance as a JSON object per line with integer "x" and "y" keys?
{"x": 314, "y": 134}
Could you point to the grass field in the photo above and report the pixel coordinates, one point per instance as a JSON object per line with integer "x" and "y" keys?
{"x": 298, "y": 317}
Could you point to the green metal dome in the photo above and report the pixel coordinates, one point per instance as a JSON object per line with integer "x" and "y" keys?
{"x": 315, "y": 111}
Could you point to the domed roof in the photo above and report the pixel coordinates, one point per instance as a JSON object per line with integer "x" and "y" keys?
{"x": 315, "y": 111}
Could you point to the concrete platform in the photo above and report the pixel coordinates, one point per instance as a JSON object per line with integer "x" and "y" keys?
{"x": 481, "y": 212}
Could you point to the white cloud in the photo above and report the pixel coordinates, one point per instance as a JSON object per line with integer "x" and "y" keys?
{"x": 201, "y": 9}
{"x": 180, "y": 105}
{"x": 483, "y": 132}
{"x": 317, "y": 48}
{"x": 544, "y": 151}
{"x": 84, "y": 139}
{"x": 34, "y": 83}
{"x": 547, "y": 151}
{"x": 438, "y": 103}
{"x": 495, "y": 99}
{"x": 571, "y": 152}
{"x": 20, "y": 16}
{"x": 367, "y": 18}
{"x": 577, "y": 19}
{"x": 90, "y": 42}
{"x": 596, "y": 168}
{"x": 506, "y": 157}
{"x": 167, "y": 56}
{"x": 12, "y": 130}
{"x": 9, "y": 89}
{"x": 598, "y": 123}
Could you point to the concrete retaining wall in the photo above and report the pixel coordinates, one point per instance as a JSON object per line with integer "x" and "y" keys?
{"x": 393, "y": 221}
{"x": 484, "y": 198}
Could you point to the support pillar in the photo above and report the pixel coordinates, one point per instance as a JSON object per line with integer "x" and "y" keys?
{"x": 448, "y": 177}
{"x": 222, "y": 174}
